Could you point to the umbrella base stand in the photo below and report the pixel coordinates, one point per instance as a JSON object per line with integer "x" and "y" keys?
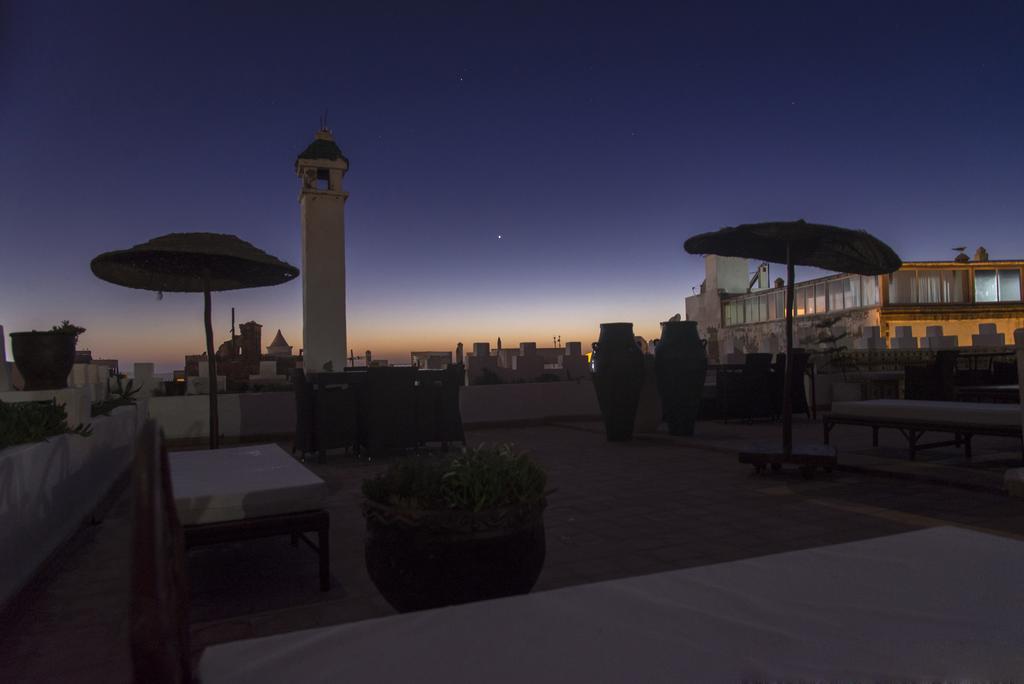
{"x": 808, "y": 457}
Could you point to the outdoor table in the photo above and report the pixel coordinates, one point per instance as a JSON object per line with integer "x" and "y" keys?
{"x": 936, "y": 604}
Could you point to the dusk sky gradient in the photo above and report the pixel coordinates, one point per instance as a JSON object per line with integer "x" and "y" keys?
{"x": 593, "y": 137}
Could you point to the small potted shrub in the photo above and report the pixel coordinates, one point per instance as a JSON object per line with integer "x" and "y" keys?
{"x": 44, "y": 359}
{"x": 838, "y": 361}
{"x": 32, "y": 421}
{"x": 456, "y": 528}
{"x": 117, "y": 396}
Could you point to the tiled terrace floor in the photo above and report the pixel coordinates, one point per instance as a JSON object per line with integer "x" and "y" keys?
{"x": 654, "y": 504}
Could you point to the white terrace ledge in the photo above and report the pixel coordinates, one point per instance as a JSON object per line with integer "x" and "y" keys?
{"x": 49, "y": 488}
{"x": 271, "y": 415}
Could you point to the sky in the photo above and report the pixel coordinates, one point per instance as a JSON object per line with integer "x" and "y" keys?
{"x": 594, "y": 138}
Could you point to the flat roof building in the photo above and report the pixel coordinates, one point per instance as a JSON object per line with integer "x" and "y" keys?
{"x": 957, "y": 296}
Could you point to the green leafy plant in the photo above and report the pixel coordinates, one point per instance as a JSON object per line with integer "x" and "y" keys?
{"x": 482, "y": 478}
{"x": 68, "y": 328}
{"x": 121, "y": 395}
{"x": 837, "y": 355}
{"x": 32, "y": 421}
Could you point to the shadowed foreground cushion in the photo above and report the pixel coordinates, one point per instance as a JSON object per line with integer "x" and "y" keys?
{"x": 965, "y": 413}
{"x": 936, "y": 604}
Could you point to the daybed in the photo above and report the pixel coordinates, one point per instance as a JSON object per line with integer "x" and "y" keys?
{"x": 914, "y": 418}
{"x": 246, "y": 492}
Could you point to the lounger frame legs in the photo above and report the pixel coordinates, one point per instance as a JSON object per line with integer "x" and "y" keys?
{"x": 913, "y": 435}
{"x": 295, "y": 525}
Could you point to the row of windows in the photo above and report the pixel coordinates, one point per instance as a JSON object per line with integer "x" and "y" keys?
{"x": 833, "y": 295}
{"x": 951, "y": 287}
{"x": 997, "y": 285}
{"x": 905, "y": 287}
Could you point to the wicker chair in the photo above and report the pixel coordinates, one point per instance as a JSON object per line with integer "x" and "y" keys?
{"x": 747, "y": 393}
{"x": 388, "y": 409}
{"x": 335, "y": 411}
{"x": 935, "y": 381}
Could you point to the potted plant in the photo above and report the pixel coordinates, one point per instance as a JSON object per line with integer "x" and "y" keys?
{"x": 33, "y": 421}
{"x": 121, "y": 395}
{"x": 456, "y": 528}
{"x": 837, "y": 359}
{"x": 44, "y": 359}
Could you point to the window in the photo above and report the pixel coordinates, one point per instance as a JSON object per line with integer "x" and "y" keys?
{"x": 903, "y": 287}
{"x": 1009, "y": 285}
{"x": 762, "y": 308}
{"x": 835, "y": 294}
{"x": 929, "y": 287}
{"x": 323, "y": 179}
{"x": 853, "y": 292}
{"x": 991, "y": 285}
{"x": 773, "y": 305}
{"x": 870, "y": 289}
{"x": 804, "y": 304}
{"x": 750, "y": 310}
{"x": 986, "y": 286}
{"x": 954, "y": 286}
{"x": 734, "y": 313}
{"x": 820, "y": 303}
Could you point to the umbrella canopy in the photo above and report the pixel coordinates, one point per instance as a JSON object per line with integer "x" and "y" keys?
{"x": 178, "y": 263}
{"x": 810, "y": 244}
{"x": 195, "y": 262}
{"x": 798, "y": 243}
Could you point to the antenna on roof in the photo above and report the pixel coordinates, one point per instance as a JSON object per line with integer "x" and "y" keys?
{"x": 323, "y": 120}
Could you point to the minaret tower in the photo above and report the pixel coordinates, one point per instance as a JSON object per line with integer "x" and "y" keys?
{"x": 320, "y": 167}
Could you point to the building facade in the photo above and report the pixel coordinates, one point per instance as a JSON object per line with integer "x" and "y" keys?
{"x": 957, "y": 296}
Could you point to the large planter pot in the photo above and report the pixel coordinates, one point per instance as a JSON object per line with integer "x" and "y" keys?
{"x": 618, "y": 378}
{"x": 648, "y": 410}
{"x": 680, "y": 364}
{"x": 441, "y": 558}
{"x": 44, "y": 359}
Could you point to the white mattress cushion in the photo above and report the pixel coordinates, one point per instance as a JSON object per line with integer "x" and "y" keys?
{"x": 952, "y": 412}
{"x": 241, "y": 482}
{"x": 934, "y": 605}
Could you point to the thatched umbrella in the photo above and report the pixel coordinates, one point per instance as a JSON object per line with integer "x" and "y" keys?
{"x": 195, "y": 262}
{"x": 797, "y": 243}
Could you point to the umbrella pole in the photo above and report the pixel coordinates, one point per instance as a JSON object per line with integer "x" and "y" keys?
{"x": 211, "y": 359}
{"x": 787, "y": 382}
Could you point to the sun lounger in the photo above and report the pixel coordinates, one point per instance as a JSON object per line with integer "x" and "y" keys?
{"x": 914, "y": 418}
{"x": 226, "y": 495}
{"x": 891, "y": 607}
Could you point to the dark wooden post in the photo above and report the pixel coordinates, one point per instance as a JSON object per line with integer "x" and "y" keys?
{"x": 212, "y": 362}
{"x": 787, "y": 382}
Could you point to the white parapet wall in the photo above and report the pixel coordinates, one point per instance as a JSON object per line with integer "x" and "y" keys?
{"x": 49, "y": 488}
{"x": 527, "y": 402}
{"x": 241, "y": 416}
{"x": 272, "y": 414}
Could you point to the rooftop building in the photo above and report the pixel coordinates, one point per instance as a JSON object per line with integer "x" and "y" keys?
{"x": 957, "y": 296}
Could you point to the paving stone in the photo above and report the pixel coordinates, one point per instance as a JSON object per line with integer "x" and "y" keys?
{"x": 655, "y": 504}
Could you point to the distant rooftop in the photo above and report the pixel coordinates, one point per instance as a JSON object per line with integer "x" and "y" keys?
{"x": 279, "y": 340}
